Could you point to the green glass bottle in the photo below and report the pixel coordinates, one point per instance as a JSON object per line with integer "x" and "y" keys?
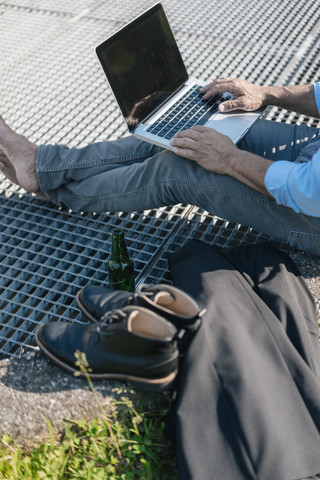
{"x": 120, "y": 265}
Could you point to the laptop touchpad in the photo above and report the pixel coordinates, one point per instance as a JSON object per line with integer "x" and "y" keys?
{"x": 233, "y": 125}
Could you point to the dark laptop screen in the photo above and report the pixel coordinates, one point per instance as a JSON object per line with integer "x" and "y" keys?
{"x": 143, "y": 65}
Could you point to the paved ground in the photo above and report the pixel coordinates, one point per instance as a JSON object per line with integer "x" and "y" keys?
{"x": 309, "y": 266}
{"x": 33, "y": 389}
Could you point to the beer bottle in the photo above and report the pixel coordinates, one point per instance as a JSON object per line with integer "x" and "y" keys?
{"x": 120, "y": 265}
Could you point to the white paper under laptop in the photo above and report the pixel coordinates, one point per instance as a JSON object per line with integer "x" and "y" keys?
{"x": 151, "y": 85}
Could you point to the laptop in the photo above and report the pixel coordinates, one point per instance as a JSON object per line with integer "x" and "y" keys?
{"x": 151, "y": 85}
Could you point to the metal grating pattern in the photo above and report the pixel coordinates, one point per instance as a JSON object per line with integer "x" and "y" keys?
{"x": 47, "y": 256}
{"x": 214, "y": 231}
{"x": 53, "y": 91}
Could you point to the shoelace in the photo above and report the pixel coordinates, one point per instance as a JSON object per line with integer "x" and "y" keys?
{"x": 115, "y": 316}
{"x": 110, "y": 317}
{"x": 144, "y": 289}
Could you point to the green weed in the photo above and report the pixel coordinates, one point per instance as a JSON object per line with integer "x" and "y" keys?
{"x": 124, "y": 444}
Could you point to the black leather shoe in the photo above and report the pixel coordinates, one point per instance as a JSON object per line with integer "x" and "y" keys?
{"x": 165, "y": 300}
{"x": 132, "y": 344}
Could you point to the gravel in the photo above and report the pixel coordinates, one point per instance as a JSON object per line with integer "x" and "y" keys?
{"x": 32, "y": 389}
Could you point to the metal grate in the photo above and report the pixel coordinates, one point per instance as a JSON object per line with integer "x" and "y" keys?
{"x": 53, "y": 91}
{"x": 47, "y": 256}
{"x": 214, "y": 231}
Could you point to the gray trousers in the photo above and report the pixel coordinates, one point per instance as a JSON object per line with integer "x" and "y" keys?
{"x": 130, "y": 175}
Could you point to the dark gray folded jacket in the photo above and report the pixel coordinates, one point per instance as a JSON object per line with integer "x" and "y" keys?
{"x": 248, "y": 404}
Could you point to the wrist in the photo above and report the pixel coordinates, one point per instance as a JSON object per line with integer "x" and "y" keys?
{"x": 244, "y": 163}
{"x": 235, "y": 161}
{"x": 249, "y": 169}
{"x": 272, "y": 96}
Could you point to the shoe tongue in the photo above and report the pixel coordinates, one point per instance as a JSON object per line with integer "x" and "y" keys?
{"x": 132, "y": 315}
{"x": 163, "y": 298}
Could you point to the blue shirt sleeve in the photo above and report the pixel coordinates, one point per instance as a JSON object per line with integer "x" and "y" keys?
{"x": 317, "y": 94}
{"x": 296, "y": 185}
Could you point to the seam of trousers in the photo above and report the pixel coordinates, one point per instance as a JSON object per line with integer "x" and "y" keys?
{"x": 174, "y": 181}
{"x": 115, "y": 160}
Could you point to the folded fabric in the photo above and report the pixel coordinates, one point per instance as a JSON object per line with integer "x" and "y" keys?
{"x": 248, "y": 402}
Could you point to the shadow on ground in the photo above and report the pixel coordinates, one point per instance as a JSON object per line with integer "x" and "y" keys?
{"x": 33, "y": 389}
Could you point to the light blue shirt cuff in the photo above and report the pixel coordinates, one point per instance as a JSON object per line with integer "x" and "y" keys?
{"x": 317, "y": 94}
{"x": 276, "y": 182}
{"x": 296, "y": 185}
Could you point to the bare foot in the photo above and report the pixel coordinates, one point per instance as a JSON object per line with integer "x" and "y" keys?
{"x": 18, "y": 159}
{"x": 7, "y": 168}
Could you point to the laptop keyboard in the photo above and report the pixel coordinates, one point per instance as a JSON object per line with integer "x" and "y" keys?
{"x": 189, "y": 111}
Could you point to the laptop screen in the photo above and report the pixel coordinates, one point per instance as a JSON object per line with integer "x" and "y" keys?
{"x": 143, "y": 65}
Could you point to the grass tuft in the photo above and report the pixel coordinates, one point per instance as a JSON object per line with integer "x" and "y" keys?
{"x": 136, "y": 449}
{"x": 124, "y": 444}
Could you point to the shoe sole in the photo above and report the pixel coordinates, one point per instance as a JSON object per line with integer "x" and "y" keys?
{"x": 150, "y": 384}
{"x": 84, "y": 310}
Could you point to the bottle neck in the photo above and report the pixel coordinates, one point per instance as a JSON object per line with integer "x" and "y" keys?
{"x": 119, "y": 249}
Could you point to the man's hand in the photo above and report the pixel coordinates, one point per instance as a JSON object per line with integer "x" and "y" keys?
{"x": 210, "y": 149}
{"x": 217, "y": 153}
{"x": 248, "y": 96}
